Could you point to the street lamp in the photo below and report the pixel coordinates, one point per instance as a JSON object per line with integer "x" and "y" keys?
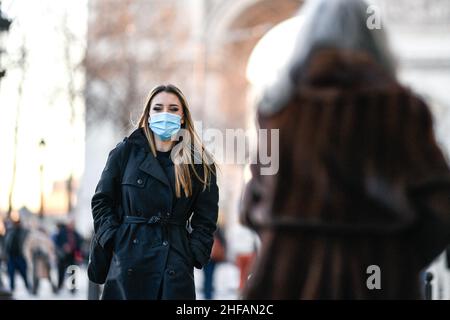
{"x": 41, "y": 169}
{"x": 4, "y": 26}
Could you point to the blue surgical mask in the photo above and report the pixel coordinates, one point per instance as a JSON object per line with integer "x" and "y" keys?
{"x": 164, "y": 124}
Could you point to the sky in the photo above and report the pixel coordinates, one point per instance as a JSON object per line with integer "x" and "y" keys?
{"x": 45, "y": 111}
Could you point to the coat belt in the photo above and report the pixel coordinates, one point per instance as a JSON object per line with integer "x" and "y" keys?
{"x": 152, "y": 220}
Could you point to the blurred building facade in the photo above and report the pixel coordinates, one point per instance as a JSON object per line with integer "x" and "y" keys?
{"x": 203, "y": 46}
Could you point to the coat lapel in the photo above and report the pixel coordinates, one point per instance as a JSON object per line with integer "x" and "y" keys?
{"x": 151, "y": 166}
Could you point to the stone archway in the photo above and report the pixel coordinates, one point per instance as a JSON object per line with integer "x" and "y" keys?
{"x": 232, "y": 34}
{"x": 231, "y": 40}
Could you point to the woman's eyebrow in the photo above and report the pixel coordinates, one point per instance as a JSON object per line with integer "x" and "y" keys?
{"x": 170, "y": 105}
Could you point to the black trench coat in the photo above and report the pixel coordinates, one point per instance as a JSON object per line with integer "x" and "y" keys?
{"x": 154, "y": 248}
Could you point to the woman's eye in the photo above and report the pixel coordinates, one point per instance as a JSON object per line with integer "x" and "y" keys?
{"x": 174, "y": 109}
{"x": 157, "y": 108}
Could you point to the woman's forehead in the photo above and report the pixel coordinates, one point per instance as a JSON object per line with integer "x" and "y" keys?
{"x": 166, "y": 98}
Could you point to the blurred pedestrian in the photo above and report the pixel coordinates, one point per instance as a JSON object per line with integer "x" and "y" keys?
{"x": 68, "y": 249}
{"x": 2, "y": 256}
{"x": 39, "y": 251}
{"x": 5, "y": 294}
{"x": 218, "y": 255}
{"x": 14, "y": 240}
{"x": 245, "y": 245}
{"x": 363, "y": 188}
{"x": 2, "y": 252}
{"x": 156, "y": 204}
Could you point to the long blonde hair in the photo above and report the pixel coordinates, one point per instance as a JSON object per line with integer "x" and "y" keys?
{"x": 183, "y": 161}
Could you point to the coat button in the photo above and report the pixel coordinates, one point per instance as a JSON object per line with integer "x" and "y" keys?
{"x": 130, "y": 271}
{"x": 165, "y": 243}
{"x": 171, "y": 272}
{"x": 139, "y": 181}
{"x": 135, "y": 241}
{"x": 168, "y": 214}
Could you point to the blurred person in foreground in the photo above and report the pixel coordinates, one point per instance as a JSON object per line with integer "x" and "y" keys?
{"x": 362, "y": 181}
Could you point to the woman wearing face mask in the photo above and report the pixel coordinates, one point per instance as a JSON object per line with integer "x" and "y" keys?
{"x": 156, "y": 204}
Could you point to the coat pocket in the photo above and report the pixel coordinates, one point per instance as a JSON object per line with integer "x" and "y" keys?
{"x": 189, "y": 252}
{"x": 134, "y": 240}
{"x": 139, "y": 277}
